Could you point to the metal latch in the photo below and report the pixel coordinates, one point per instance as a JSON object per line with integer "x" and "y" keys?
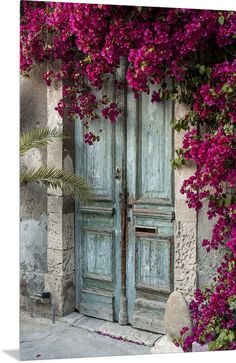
{"x": 118, "y": 173}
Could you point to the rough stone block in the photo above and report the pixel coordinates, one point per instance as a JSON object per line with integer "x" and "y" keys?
{"x": 183, "y": 213}
{"x": 54, "y": 155}
{"x": 177, "y": 315}
{"x": 207, "y": 262}
{"x": 55, "y": 204}
{"x": 55, "y": 261}
{"x": 182, "y": 173}
{"x": 56, "y": 192}
{"x": 55, "y": 237}
{"x": 60, "y": 262}
{"x": 165, "y": 345}
{"x": 185, "y": 245}
{"x": 62, "y": 290}
{"x": 68, "y": 230}
{"x": 185, "y": 282}
{"x": 68, "y": 261}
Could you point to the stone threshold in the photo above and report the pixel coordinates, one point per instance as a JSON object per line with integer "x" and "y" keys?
{"x": 113, "y": 330}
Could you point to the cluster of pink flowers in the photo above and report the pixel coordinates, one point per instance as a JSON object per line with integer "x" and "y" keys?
{"x": 231, "y": 244}
{"x": 214, "y": 152}
{"x": 213, "y": 312}
{"x": 91, "y": 39}
{"x": 111, "y": 112}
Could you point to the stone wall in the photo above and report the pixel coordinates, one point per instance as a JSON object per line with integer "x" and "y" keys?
{"x": 33, "y": 199}
{"x": 207, "y": 262}
{"x": 47, "y": 217}
{"x": 185, "y": 264}
{"x": 60, "y": 277}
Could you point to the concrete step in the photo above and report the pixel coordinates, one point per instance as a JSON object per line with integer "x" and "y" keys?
{"x": 113, "y": 330}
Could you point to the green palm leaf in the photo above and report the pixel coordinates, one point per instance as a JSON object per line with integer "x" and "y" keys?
{"x": 38, "y": 138}
{"x": 67, "y": 181}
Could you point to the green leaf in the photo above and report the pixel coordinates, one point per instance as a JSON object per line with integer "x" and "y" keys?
{"x": 221, "y": 20}
{"x": 227, "y": 202}
{"x": 208, "y": 71}
{"x": 38, "y": 138}
{"x": 50, "y": 177}
{"x": 177, "y": 162}
{"x": 220, "y": 202}
{"x": 227, "y": 88}
{"x": 231, "y": 336}
{"x": 202, "y": 69}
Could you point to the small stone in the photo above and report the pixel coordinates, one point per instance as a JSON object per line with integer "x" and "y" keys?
{"x": 165, "y": 345}
{"x": 196, "y": 347}
{"x": 177, "y": 315}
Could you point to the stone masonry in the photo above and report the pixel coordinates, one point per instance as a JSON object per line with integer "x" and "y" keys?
{"x": 185, "y": 264}
{"x": 59, "y": 279}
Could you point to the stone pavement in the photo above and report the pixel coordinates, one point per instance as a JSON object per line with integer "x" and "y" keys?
{"x": 113, "y": 330}
{"x": 78, "y": 336}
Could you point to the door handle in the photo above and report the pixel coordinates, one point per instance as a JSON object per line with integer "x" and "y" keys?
{"x": 118, "y": 173}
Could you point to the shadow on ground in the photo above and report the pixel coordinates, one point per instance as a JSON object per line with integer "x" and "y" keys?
{"x": 14, "y": 353}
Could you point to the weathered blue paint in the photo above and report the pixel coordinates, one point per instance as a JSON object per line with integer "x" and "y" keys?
{"x": 150, "y": 185}
{"x": 153, "y": 263}
{"x": 140, "y": 145}
{"x": 98, "y": 225}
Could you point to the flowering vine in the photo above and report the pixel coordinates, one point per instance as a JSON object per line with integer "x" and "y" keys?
{"x": 213, "y": 311}
{"x": 195, "y": 49}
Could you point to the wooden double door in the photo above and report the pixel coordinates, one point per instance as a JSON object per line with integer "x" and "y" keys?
{"x": 124, "y": 236}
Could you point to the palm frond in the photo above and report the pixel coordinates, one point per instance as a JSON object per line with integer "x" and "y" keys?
{"x": 67, "y": 181}
{"x": 38, "y": 138}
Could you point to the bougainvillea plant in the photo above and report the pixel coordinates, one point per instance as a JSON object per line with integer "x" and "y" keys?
{"x": 213, "y": 312}
{"x": 196, "y": 49}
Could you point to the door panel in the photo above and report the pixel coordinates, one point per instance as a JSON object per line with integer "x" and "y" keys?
{"x": 98, "y": 162}
{"x": 154, "y": 152}
{"x": 150, "y": 211}
{"x": 153, "y": 260}
{"x": 98, "y": 223}
{"x": 98, "y": 254}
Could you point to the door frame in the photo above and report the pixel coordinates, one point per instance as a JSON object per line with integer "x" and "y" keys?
{"x": 123, "y": 302}
{"x": 62, "y": 222}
